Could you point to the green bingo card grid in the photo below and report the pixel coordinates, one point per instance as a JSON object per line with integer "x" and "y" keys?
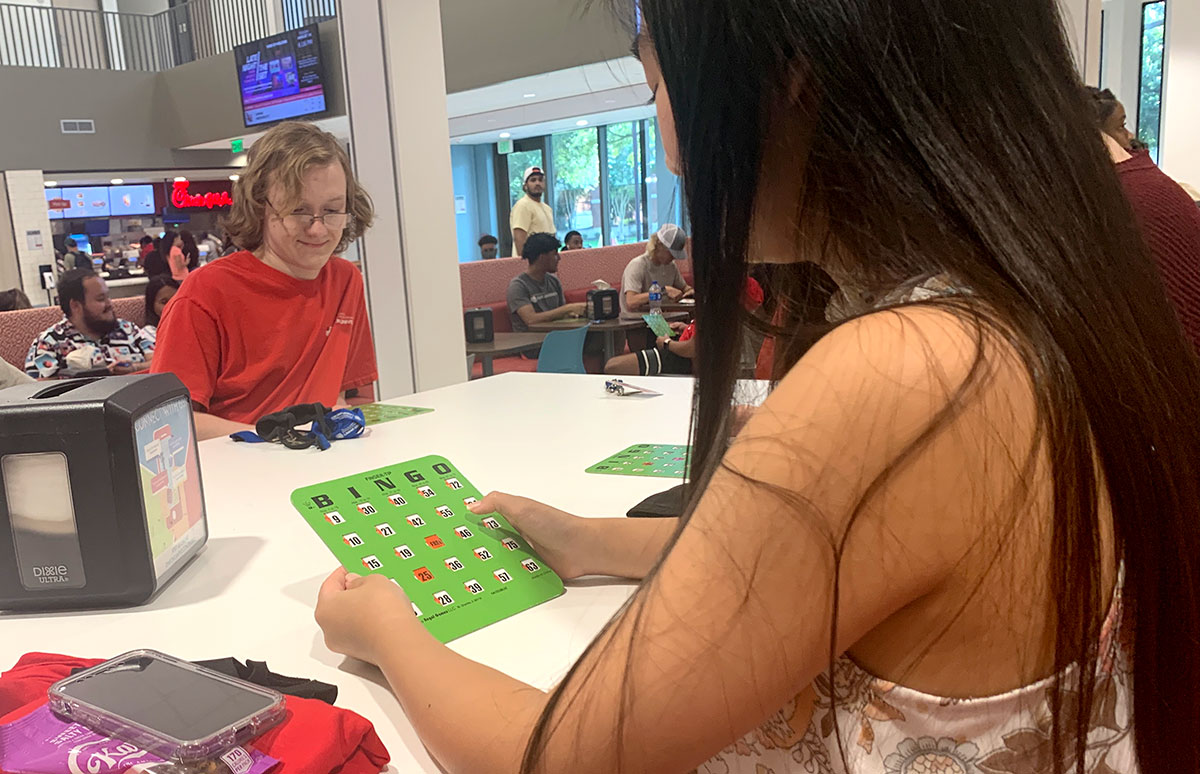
{"x": 655, "y": 460}
{"x": 409, "y": 522}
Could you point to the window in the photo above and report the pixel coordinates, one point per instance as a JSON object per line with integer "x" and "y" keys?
{"x": 1150, "y": 75}
{"x": 626, "y": 180}
{"x": 604, "y": 182}
{"x": 575, "y": 166}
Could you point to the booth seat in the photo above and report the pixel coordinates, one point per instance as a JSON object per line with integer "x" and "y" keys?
{"x": 18, "y": 329}
{"x": 485, "y": 285}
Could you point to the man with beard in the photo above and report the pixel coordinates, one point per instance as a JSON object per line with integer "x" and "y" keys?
{"x": 531, "y": 215}
{"x": 88, "y": 322}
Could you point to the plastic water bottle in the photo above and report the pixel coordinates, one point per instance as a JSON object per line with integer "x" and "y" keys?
{"x": 655, "y": 298}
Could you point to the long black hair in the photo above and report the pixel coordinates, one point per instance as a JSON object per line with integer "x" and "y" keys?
{"x": 953, "y": 138}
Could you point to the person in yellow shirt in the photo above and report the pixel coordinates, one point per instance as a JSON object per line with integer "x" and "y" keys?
{"x": 531, "y": 215}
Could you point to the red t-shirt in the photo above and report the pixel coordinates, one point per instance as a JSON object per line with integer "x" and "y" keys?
{"x": 248, "y": 340}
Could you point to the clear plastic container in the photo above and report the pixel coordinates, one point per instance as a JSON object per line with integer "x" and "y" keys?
{"x": 174, "y": 709}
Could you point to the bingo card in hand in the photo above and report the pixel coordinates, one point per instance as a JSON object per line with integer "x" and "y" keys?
{"x": 409, "y": 522}
{"x": 655, "y": 460}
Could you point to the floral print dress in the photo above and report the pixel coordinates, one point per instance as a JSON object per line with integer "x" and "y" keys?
{"x": 889, "y": 729}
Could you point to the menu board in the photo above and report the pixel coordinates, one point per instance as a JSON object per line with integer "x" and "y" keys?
{"x": 91, "y": 202}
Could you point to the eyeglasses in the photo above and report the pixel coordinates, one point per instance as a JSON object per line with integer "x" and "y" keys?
{"x": 303, "y": 221}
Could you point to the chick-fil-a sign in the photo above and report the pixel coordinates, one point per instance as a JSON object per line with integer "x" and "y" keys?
{"x": 182, "y": 199}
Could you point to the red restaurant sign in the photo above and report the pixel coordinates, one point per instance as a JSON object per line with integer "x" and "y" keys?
{"x": 182, "y": 199}
{"x": 58, "y": 204}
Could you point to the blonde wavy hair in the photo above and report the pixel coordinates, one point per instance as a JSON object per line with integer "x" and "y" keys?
{"x": 282, "y": 156}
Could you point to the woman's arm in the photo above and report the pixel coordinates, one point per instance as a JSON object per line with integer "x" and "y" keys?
{"x": 736, "y": 621}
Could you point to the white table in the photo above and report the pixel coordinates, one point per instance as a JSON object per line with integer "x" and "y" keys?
{"x": 250, "y": 594}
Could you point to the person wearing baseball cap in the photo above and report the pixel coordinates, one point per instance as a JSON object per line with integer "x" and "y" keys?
{"x": 657, "y": 263}
{"x": 531, "y": 215}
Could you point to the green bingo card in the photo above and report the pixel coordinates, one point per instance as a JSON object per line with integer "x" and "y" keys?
{"x": 656, "y": 460}
{"x": 378, "y": 413}
{"x": 409, "y": 522}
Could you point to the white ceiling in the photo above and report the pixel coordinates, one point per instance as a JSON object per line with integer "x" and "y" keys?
{"x": 62, "y": 179}
{"x": 602, "y": 93}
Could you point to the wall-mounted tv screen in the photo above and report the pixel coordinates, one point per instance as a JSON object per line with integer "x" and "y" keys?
{"x": 131, "y": 200}
{"x": 281, "y": 76}
{"x": 53, "y": 193}
{"x": 91, "y": 202}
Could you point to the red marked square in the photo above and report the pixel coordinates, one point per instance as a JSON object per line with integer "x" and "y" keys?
{"x": 423, "y": 574}
{"x": 433, "y": 541}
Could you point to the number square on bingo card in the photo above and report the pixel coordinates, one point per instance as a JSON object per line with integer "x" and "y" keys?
{"x": 444, "y": 511}
{"x": 352, "y": 539}
{"x": 433, "y": 541}
{"x": 425, "y": 491}
{"x": 384, "y": 530}
{"x": 490, "y": 523}
{"x": 372, "y": 563}
{"x": 464, "y": 532}
{"x": 415, "y": 520}
{"x": 454, "y": 483}
{"x": 397, "y": 500}
{"x": 366, "y": 509}
{"x": 404, "y": 552}
{"x": 334, "y": 518}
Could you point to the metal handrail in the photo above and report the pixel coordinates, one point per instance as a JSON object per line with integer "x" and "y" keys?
{"x": 36, "y": 36}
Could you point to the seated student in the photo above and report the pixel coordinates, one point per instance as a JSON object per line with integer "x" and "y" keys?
{"x": 668, "y": 356}
{"x": 535, "y": 295}
{"x": 657, "y": 263}
{"x": 88, "y": 320}
{"x": 674, "y": 357}
{"x": 14, "y": 299}
{"x": 159, "y": 290}
{"x": 1166, "y": 215}
{"x": 572, "y": 241}
{"x": 489, "y": 247}
{"x": 283, "y": 321}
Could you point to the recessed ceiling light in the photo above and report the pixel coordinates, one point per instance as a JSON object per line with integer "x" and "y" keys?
{"x": 530, "y": 95}
{"x": 181, "y": 180}
{"x": 117, "y": 181}
{"x": 505, "y": 135}
{"x": 581, "y": 122}
{"x": 234, "y": 177}
{"x": 51, "y": 184}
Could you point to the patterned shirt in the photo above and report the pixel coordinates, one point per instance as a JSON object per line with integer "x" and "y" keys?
{"x": 889, "y": 729}
{"x": 126, "y": 343}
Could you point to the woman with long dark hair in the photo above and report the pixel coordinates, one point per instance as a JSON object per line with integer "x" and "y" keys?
{"x": 191, "y": 250}
{"x": 962, "y": 534}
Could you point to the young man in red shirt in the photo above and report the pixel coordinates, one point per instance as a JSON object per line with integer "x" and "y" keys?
{"x": 283, "y": 321}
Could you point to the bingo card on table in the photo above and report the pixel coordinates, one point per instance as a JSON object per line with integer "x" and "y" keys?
{"x": 409, "y": 522}
{"x": 656, "y": 460}
{"x": 378, "y": 413}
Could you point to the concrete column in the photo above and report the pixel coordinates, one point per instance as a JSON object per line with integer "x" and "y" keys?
{"x": 400, "y": 142}
{"x": 28, "y": 228}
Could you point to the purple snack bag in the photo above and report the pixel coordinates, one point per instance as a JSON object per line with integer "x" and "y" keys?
{"x": 43, "y": 743}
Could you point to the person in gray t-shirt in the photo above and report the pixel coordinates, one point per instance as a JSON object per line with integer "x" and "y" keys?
{"x": 658, "y": 263}
{"x": 535, "y": 295}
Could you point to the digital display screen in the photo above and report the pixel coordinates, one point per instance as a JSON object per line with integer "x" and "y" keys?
{"x": 281, "y": 76}
{"x": 91, "y": 202}
{"x": 53, "y": 193}
{"x": 169, "y": 473}
{"x": 131, "y": 200}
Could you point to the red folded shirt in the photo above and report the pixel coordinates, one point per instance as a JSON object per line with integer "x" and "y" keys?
{"x": 313, "y": 738}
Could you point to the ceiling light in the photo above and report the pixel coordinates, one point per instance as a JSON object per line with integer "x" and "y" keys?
{"x": 117, "y": 181}
{"x": 581, "y": 122}
{"x": 234, "y": 177}
{"x": 51, "y": 184}
{"x": 505, "y": 135}
{"x": 181, "y": 180}
{"x": 530, "y": 95}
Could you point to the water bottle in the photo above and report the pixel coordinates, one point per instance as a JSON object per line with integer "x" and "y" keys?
{"x": 655, "y": 298}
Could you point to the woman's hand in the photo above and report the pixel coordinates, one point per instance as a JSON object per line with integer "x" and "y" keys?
{"x": 678, "y": 326}
{"x": 557, "y": 536}
{"x": 361, "y": 616}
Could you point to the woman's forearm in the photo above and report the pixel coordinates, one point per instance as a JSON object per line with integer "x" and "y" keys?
{"x": 626, "y": 548}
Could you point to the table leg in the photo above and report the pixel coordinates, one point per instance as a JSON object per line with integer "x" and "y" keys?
{"x": 610, "y": 345}
{"x": 487, "y": 364}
